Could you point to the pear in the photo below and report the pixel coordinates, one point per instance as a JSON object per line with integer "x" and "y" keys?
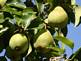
{"x": 58, "y": 17}
{"x": 19, "y": 42}
{"x": 43, "y": 41}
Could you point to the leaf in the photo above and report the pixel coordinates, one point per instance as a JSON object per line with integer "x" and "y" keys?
{"x": 18, "y": 5}
{"x": 55, "y": 53}
{"x": 52, "y": 4}
{"x": 2, "y": 18}
{"x": 57, "y": 49}
{"x": 76, "y": 55}
{"x": 4, "y": 29}
{"x": 29, "y": 50}
{"x": 9, "y": 12}
{"x": 77, "y": 15}
{"x": 13, "y": 1}
{"x": 49, "y": 1}
{"x": 40, "y": 6}
{"x": 65, "y": 41}
{"x": 41, "y": 26}
{"x": 36, "y": 23}
{"x": 25, "y": 19}
{"x": 73, "y": 2}
{"x": 1, "y": 26}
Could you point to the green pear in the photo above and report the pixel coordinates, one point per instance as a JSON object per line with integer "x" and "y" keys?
{"x": 43, "y": 41}
{"x": 58, "y": 17}
{"x": 19, "y": 42}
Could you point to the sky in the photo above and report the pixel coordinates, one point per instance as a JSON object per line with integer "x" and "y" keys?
{"x": 74, "y": 34}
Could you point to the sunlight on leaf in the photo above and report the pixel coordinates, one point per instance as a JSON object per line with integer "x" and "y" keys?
{"x": 4, "y": 29}
{"x": 56, "y": 49}
{"x": 77, "y": 15}
{"x": 18, "y": 5}
{"x": 73, "y": 2}
{"x": 2, "y": 18}
{"x": 29, "y": 50}
{"x": 40, "y": 6}
{"x": 55, "y": 53}
{"x": 26, "y": 17}
{"x": 65, "y": 41}
{"x": 1, "y": 26}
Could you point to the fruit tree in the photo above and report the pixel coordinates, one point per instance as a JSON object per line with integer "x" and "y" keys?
{"x": 30, "y": 30}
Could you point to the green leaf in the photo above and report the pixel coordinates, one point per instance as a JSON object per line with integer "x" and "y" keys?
{"x": 41, "y": 26}
{"x": 73, "y": 2}
{"x": 57, "y": 49}
{"x": 36, "y": 23}
{"x": 18, "y": 5}
{"x": 76, "y": 55}
{"x": 11, "y": 11}
{"x": 40, "y": 6}
{"x": 2, "y": 18}
{"x": 1, "y": 26}
{"x": 4, "y": 29}
{"x": 65, "y": 41}
{"x": 51, "y": 4}
{"x": 29, "y": 50}
{"x": 26, "y": 17}
{"x": 55, "y": 53}
{"x": 28, "y": 10}
{"x": 49, "y": 1}
{"x": 13, "y": 1}
{"x": 77, "y": 15}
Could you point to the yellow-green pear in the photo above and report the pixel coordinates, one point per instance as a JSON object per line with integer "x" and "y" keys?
{"x": 2, "y": 2}
{"x": 43, "y": 41}
{"x": 58, "y": 17}
{"x": 19, "y": 42}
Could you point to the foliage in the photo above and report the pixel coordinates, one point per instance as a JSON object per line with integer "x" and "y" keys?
{"x": 29, "y": 18}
